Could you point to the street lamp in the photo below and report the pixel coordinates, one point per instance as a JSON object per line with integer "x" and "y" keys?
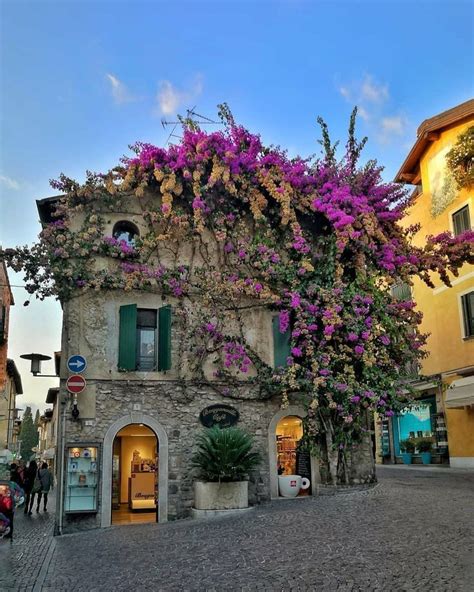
{"x": 36, "y": 360}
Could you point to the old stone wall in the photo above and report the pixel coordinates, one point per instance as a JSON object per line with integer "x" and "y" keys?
{"x": 176, "y": 407}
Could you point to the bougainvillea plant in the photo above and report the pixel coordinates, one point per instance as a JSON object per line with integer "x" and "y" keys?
{"x": 319, "y": 242}
{"x": 460, "y": 159}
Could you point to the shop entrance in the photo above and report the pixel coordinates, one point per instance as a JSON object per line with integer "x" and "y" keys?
{"x": 135, "y": 475}
{"x": 291, "y": 460}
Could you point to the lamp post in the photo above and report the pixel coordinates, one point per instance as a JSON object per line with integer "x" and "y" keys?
{"x": 35, "y": 369}
{"x": 36, "y": 360}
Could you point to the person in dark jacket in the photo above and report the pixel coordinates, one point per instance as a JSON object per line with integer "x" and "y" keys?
{"x": 46, "y": 479}
{"x": 15, "y": 475}
{"x": 29, "y": 481}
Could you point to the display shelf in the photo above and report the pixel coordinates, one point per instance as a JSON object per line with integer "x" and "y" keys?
{"x": 81, "y": 479}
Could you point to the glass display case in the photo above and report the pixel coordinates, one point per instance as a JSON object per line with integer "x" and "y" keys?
{"x": 81, "y": 479}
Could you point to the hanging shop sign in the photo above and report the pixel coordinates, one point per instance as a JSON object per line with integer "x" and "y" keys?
{"x": 75, "y": 384}
{"x": 224, "y": 416}
{"x": 76, "y": 364}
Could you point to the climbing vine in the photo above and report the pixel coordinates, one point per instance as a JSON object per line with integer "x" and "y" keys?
{"x": 460, "y": 159}
{"x": 236, "y": 226}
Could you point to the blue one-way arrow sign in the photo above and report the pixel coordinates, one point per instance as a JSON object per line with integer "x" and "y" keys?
{"x": 76, "y": 364}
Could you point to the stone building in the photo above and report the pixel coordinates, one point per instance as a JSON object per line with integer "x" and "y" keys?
{"x": 126, "y": 439}
{"x": 48, "y": 431}
{"x": 10, "y": 379}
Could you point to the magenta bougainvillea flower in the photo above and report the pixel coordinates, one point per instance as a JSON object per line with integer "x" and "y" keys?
{"x": 319, "y": 241}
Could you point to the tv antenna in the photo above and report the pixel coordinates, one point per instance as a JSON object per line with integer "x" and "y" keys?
{"x": 191, "y": 117}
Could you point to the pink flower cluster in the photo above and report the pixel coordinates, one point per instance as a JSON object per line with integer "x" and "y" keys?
{"x": 235, "y": 355}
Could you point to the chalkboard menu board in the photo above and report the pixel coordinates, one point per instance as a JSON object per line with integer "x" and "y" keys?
{"x": 303, "y": 464}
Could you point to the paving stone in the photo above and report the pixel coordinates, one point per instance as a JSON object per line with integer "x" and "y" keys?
{"x": 411, "y": 533}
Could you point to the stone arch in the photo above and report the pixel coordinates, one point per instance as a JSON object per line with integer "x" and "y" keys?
{"x": 106, "y": 490}
{"x": 272, "y": 449}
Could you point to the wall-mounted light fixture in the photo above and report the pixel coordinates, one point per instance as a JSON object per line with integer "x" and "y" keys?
{"x": 36, "y": 360}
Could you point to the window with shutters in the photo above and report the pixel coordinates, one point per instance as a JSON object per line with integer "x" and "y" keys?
{"x": 461, "y": 221}
{"x": 467, "y": 303}
{"x": 281, "y": 344}
{"x": 144, "y": 339}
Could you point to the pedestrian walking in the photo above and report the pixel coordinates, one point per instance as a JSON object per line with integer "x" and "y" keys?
{"x": 46, "y": 479}
{"x": 15, "y": 475}
{"x": 31, "y": 474}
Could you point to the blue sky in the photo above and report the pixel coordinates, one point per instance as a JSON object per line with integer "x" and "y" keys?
{"x": 82, "y": 80}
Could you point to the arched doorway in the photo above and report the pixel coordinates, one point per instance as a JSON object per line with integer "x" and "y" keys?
{"x": 139, "y": 424}
{"x": 284, "y": 432}
{"x": 135, "y": 457}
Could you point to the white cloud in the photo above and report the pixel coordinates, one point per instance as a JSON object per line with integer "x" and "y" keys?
{"x": 170, "y": 99}
{"x": 373, "y": 107}
{"x": 391, "y": 127}
{"x": 362, "y": 111}
{"x": 9, "y": 182}
{"x": 373, "y": 92}
{"x": 345, "y": 92}
{"x": 120, "y": 92}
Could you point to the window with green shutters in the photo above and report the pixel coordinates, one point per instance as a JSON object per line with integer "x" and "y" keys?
{"x": 281, "y": 344}
{"x": 144, "y": 339}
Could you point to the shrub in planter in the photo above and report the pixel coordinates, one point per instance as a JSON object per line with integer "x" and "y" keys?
{"x": 407, "y": 448}
{"x": 425, "y": 446}
{"x": 223, "y": 461}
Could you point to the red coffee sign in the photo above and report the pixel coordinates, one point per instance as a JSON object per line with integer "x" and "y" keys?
{"x": 75, "y": 384}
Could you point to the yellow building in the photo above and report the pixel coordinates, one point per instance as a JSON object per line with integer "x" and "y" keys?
{"x": 438, "y": 206}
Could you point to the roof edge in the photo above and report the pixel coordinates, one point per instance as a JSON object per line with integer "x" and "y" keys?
{"x": 428, "y": 131}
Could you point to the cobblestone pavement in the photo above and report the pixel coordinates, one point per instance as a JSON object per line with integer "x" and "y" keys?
{"x": 413, "y": 532}
{"x": 22, "y": 559}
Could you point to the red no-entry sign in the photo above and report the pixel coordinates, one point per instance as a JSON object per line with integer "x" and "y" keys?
{"x": 75, "y": 384}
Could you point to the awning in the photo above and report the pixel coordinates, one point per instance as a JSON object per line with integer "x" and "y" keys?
{"x": 460, "y": 393}
{"x": 49, "y": 454}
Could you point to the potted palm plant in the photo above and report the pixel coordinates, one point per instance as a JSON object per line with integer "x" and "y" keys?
{"x": 407, "y": 448}
{"x": 223, "y": 460}
{"x": 425, "y": 446}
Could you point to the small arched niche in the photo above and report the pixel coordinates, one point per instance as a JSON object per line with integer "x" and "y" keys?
{"x": 126, "y": 231}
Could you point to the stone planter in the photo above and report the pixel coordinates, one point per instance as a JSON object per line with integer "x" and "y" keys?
{"x": 407, "y": 458}
{"x": 221, "y": 496}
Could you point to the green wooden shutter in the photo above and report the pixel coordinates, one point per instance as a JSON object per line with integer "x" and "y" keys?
{"x": 128, "y": 337}
{"x": 164, "y": 338}
{"x": 281, "y": 344}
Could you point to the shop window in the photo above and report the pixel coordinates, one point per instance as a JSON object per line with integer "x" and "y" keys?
{"x": 81, "y": 483}
{"x": 281, "y": 344}
{"x": 144, "y": 338}
{"x": 467, "y": 303}
{"x": 125, "y": 231}
{"x": 461, "y": 221}
{"x": 289, "y": 432}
